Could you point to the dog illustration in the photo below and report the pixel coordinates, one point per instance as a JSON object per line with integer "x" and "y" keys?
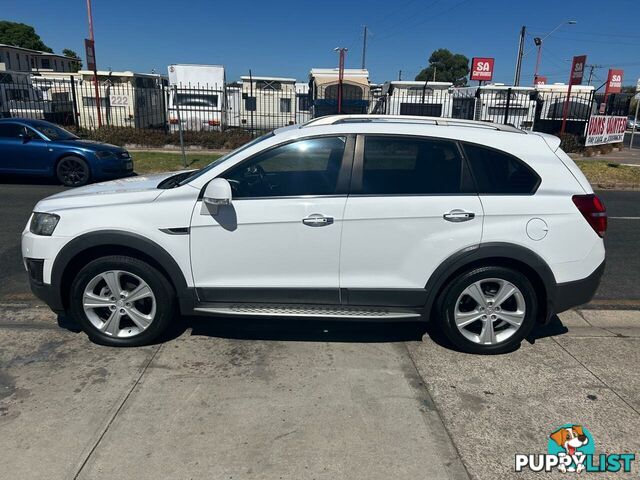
{"x": 571, "y": 438}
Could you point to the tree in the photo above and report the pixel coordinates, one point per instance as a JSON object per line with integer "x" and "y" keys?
{"x": 77, "y": 65}
{"x": 21, "y": 35}
{"x": 447, "y": 66}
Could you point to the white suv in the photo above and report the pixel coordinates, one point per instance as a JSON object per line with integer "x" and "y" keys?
{"x": 484, "y": 229}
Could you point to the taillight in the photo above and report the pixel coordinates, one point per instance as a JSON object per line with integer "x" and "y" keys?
{"x": 173, "y": 121}
{"x": 592, "y": 209}
{"x": 214, "y": 123}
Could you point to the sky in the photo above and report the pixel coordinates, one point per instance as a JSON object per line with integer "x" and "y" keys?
{"x": 288, "y": 38}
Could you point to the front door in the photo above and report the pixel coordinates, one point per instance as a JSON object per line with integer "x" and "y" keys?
{"x": 279, "y": 240}
{"x": 22, "y": 150}
{"x": 413, "y": 205}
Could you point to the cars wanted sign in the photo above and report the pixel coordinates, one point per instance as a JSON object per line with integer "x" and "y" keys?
{"x": 605, "y": 129}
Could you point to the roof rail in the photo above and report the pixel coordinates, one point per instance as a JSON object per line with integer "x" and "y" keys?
{"x": 438, "y": 121}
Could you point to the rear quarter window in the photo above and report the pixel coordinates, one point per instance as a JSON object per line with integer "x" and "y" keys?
{"x": 500, "y": 173}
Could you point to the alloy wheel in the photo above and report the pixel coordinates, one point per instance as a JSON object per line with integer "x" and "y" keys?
{"x": 490, "y": 311}
{"x": 73, "y": 172}
{"x": 119, "y": 303}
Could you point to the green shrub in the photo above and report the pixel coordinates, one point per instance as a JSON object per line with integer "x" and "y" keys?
{"x": 571, "y": 143}
{"x": 157, "y": 139}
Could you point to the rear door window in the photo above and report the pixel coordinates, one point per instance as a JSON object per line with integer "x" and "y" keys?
{"x": 413, "y": 166}
{"x": 500, "y": 173}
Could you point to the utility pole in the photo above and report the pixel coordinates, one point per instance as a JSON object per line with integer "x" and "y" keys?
{"x": 95, "y": 69}
{"x": 399, "y": 75}
{"x": 435, "y": 69}
{"x": 591, "y": 69}
{"x": 341, "y": 51}
{"x": 364, "y": 47}
{"x": 516, "y": 79}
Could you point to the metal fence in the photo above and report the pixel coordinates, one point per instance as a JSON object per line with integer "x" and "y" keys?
{"x": 257, "y": 106}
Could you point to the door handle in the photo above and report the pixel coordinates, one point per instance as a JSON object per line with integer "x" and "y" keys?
{"x": 458, "y": 215}
{"x": 317, "y": 220}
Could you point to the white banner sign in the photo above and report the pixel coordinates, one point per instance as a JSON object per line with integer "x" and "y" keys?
{"x": 605, "y": 129}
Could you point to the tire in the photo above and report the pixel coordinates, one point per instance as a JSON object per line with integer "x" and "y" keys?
{"x": 110, "y": 319}
{"x": 73, "y": 172}
{"x": 481, "y": 313}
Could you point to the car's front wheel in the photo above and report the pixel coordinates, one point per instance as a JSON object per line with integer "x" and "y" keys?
{"x": 122, "y": 301}
{"x": 73, "y": 172}
{"x": 488, "y": 310}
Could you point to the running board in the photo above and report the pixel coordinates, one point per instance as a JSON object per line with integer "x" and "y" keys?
{"x": 323, "y": 311}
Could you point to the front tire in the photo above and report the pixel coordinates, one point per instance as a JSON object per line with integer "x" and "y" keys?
{"x": 122, "y": 301}
{"x": 73, "y": 172}
{"x": 488, "y": 310}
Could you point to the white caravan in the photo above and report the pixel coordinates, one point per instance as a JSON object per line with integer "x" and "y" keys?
{"x": 268, "y": 102}
{"x": 303, "y": 102}
{"x": 324, "y": 85}
{"x": 431, "y": 99}
{"x": 18, "y": 97}
{"x": 489, "y": 103}
{"x": 57, "y": 93}
{"x": 196, "y": 97}
{"x": 127, "y": 99}
{"x": 553, "y": 98}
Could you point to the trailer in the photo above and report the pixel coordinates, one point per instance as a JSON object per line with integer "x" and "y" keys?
{"x": 268, "y": 102}
{"x": 18, "y": 97}
{"x": 126, "y": 99}
{"x": 497, "y": 103}
{"x": 324, "y": 88}
{"x": 431, "y": 99}
{"x": 57, "y": 91}
{"x": 197, "y": 97}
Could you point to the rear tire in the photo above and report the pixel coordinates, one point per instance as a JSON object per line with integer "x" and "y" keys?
{"x": 488, "y": 310}
{"x": 122, "y": 301}
{"x": 73, "y": 172}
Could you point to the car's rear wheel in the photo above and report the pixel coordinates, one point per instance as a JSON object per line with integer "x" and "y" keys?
{"x": 488, "y": 310}
{"x": 122, "y": 301}
{"x": 73, "y": 172}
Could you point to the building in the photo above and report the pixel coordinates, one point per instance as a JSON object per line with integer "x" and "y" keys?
{"x": 20, "y": 59}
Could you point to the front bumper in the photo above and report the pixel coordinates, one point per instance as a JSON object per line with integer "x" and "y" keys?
{"x": 115, "y": 167}
{"x": 571, "y": 294}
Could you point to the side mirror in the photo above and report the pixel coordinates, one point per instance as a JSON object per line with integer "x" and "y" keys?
{"x": 217, "y": 193}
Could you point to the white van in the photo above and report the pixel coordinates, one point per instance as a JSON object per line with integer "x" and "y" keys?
{"x": 18, "y": 97}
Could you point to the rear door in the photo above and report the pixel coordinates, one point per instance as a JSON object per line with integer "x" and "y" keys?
{"x": 412, "y": 205}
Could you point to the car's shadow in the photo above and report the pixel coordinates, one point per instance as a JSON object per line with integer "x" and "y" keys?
{"x": 317, "y": 330}
{"x": 15, "y": 179}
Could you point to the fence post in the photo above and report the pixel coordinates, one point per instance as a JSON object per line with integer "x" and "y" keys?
{"x": 506, "y": 107}
{"x": 177, "y": 104}
{"x": 74, "y": 102}
{"x": 165, "y": 123}
{"x": 635, "y": 125}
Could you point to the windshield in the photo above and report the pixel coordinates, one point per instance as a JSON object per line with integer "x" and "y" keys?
{"x": 224, "y": 158}
{"x": 53, "y": 132}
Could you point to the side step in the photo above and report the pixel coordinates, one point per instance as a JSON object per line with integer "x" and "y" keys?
{"x": 293, "y": 310}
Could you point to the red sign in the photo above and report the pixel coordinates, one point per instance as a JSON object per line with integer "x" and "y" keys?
{"x": 577, "y": 69}
{"x": 481, "y": 68}
{"x": 614, "y": 81}
{"x": 540, "y": 80}
{"x": 90, "y": 53}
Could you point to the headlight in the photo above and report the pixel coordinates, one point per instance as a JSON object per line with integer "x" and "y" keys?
{"x": 43, "y": 223}
{"x": 104, "y": 154}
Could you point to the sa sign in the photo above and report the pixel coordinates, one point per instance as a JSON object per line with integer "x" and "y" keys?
{"x": 482, "y": 68}
{"x": 577, "y": 69}
{"x": 614, "y": 81}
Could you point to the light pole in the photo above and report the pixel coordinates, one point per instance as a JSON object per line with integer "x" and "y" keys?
{"x": 538, "y": 42}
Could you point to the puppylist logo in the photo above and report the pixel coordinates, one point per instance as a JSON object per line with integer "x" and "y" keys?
{"x": 571, "y": 449}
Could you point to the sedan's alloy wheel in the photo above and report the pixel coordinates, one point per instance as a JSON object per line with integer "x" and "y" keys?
{"x": 119, "y": 303}
{"x": 73, "y": 172}
{"x": 490, "y": 311}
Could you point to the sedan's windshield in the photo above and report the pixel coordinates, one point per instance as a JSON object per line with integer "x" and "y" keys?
{"x": 53, "y": 132}
{"x": 218, "y": 161}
